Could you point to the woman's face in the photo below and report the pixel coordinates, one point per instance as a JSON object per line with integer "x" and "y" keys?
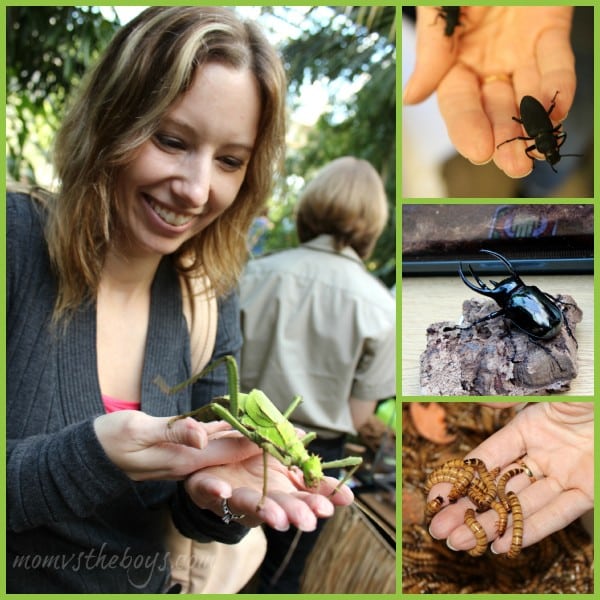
{"x": 191, "y": 170}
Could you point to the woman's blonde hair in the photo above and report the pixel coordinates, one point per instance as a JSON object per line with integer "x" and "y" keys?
{"x": 149, "y": 63}
{"x": 347, "y": 200}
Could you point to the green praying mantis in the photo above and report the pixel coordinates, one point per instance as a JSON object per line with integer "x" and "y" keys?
{"x": 258, "y": 419}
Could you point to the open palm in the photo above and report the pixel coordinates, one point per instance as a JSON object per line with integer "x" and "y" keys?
{"x": 556, "y": 441}
{"x": 288, "y": 499}
{"x": 521, "y": 50}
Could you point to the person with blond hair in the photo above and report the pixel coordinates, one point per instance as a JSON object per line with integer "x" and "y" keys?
{"x": 317, "y": 324}
{"x": 128, "y": 272}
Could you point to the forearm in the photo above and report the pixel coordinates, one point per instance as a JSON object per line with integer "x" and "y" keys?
{"x": 54, "y": 477}
{"x": 361, "y": 410}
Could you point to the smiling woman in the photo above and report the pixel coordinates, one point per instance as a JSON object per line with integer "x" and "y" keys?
{"x": 191, "y": 170}
{"x": 125, "y": 104}
{"x": 127, "y": 272}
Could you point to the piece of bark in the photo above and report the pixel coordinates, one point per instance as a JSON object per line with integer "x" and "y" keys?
{"x": 497, "y": 358}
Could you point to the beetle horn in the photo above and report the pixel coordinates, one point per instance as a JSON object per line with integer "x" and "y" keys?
{"x": 480, "y": 290}
{"x": 477, "y": 278}
{"x": 508, "y": 265}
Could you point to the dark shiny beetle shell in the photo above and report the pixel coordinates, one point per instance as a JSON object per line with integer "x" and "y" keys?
{"x": 528, "y": 307}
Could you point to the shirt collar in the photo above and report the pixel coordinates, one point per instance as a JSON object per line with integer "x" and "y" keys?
{"x": 325, "y": 243}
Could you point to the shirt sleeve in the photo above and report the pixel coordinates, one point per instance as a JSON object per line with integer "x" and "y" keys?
{"x": 200, "y": 524}
{"x": 57, "y": 476}
{"x": 21, "y": 245}
{"x": 375, "y": 376}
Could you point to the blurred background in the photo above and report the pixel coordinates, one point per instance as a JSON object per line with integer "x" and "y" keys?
{"x": 341, "y": 66}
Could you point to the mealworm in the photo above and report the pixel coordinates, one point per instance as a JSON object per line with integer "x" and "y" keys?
{"x": 419, "y": 557}
{"x": 440, "y": 475}
{"x": 463, "y": 480}
{"x": 480, "y": 537}
{"x": 433, "y": 507}
{"x": 517, "y": 536}
{"x": 478, "y": 494}
{"x": 502, "y": 516}
{"x": 475, "y": 462}
{"x": 486, "y": 476}
{"x": 494, "y": 473}
{"x": 455, "y": 462}
{"x": 550, "y": 566}
{"x": 459, "y": 478}
{"x": 501, "y": 487}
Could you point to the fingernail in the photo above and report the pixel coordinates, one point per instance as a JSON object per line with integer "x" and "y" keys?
{"x": 478, "y": 164}
{"x": 450, "y": 545}
{"x": 280, "y": 523}
{"x": 433, "y": 536}
{"x": 281, "y": 526}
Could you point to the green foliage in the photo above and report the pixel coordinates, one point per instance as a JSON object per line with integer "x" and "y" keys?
{"x": 48, "y": 49}
{"x": 347, "y": 49}
{"x": 354, "y": 46}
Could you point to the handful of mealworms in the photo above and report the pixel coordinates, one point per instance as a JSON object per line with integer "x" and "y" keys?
{"x": 469, "y": 477}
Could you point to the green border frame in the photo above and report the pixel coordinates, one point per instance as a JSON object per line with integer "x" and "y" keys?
{"x": 401, "y": 201}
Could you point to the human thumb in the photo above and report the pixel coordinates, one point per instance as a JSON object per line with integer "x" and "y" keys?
{"x": 188, "y": 432}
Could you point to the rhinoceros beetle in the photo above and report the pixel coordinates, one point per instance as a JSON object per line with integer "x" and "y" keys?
{"x": 533, "y": 311}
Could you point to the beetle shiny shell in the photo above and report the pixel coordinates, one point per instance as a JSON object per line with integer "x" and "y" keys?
{"x": 547, "y": 139}
{"x": 528, "y": 307}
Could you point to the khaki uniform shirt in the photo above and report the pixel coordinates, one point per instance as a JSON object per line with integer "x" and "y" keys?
{"x": 317, "y": 324}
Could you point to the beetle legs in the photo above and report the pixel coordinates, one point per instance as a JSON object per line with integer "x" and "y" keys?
{"x": 565, "y": 321}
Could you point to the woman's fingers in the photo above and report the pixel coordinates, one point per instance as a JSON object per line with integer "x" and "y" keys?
{"x": 501, "y": 104}
{"x": 435, "y": 54}
{"x": 546, "y": 508}
{"x": 468, "y": 125}
{"x": 545, "y": 514}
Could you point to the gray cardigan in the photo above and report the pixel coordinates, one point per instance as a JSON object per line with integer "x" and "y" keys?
{"x": 75, "y": 522}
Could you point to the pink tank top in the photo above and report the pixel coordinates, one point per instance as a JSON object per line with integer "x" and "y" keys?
{"x": 114, "y": 404}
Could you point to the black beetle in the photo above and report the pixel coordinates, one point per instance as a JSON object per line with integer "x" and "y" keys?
{"x": 530, "y": 309}
{"x": 536, "y": 121}
{"x": 450, "y": 14}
